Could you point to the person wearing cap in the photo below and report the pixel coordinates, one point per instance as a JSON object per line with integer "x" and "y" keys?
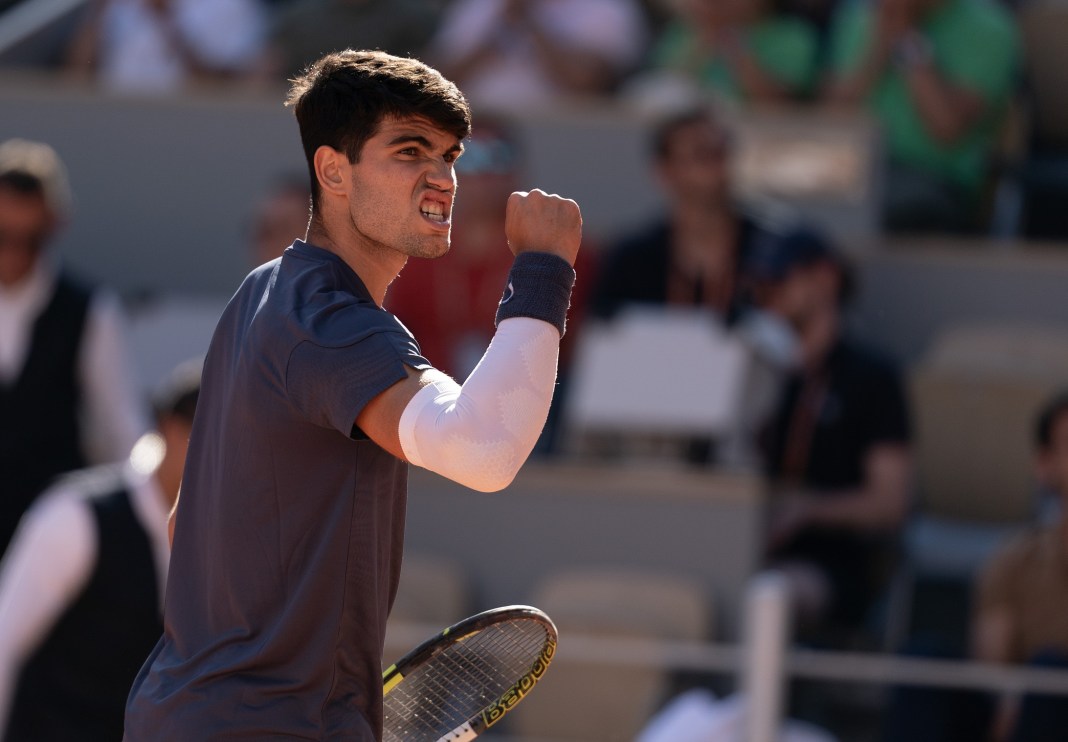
{"x": 837, "y": 446}
{"x": 67, "y": 391}
{"x": 81, "y": 588}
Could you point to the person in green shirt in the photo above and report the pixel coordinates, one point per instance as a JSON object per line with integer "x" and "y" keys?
{"x": 938, "y": 75}
{"x": 741, "y": 50}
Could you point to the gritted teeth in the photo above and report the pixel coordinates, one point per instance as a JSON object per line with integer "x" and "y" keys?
{"x": 433, "y": 210}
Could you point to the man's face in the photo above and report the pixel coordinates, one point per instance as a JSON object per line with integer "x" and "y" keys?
{"x": 696, "y": 166}
{"x": 403, "y": 187}
{"x": 1053, "y": 461}
{"x": 26, "y": 223}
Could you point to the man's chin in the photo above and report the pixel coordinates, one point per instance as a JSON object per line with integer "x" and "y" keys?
{"x": 431, "y": 250}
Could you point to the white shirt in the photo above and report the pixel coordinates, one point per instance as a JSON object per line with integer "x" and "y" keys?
{"x": 614, "y": 30}
{"x": 111, "y": 418}
{"x": 52, "y": 556}
{"x": 138, "y": 53}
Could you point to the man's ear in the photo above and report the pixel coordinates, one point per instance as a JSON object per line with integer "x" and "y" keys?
{"x": 332, "y": 170}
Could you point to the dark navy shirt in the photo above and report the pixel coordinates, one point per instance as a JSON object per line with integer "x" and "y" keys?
{"x": 290, "y": 524}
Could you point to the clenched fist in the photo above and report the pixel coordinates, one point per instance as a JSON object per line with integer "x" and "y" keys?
{"x": 537, "y": 221}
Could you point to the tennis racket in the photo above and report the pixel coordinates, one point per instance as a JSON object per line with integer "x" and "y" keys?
{"x": 458, "y": 684}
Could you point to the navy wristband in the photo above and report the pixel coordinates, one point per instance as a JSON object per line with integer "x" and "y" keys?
{"x": 539, "y": 286}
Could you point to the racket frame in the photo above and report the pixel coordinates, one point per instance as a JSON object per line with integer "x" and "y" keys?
{"x": 515, "y": 693}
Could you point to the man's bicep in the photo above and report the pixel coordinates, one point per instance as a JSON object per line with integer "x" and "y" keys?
{"x": 380, "y": 418}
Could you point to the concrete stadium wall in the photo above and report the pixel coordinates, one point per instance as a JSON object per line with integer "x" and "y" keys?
{"x": 164, "y": 189}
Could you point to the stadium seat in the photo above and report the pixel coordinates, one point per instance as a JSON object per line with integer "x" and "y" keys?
{"x": 432, "y": 594}
{"x": 653, "y": 371}
{"x": 584, "y": 701}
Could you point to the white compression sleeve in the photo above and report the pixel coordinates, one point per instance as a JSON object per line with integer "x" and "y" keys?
{"x": 479, "y": 434}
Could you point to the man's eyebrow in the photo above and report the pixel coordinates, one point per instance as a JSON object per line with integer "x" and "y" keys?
{"x": 423, "y": 142}
{"x": 414, "y": 138}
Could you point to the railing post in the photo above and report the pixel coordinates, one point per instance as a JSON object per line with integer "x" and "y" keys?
{"x": 765, "y": 630}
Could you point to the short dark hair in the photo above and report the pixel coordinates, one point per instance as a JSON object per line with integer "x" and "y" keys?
{"x": 341, "y": 99}
{"x": 1048, "y": 417}
{"x": 665, "y": 129}
{"x": 22, "y": 183}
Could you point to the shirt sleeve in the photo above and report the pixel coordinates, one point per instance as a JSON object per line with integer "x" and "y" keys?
{"x": 985, "y": 56}
{"x": 330, "y": 385}
{"x": 113, "y": 416}
{"x": 46, "y": 565}
{"x": 851, "y": 31}
{"x": 790, "y": 57}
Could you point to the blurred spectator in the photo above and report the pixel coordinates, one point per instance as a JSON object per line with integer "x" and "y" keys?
{"x": 838, "y": 451}
{"x": 1022, "y": 594}
{"x": 524, "y": 53}
{"x": 304, "y": 30}
{"x": 67, "y": 392}
{"x": 938, "y": 75}
{"x": 280, "y": 217}
{"x": 693, "y": 255}
{"x": 81, "y": 590}
{"x": 741, "y": 50}
{"x": 159, "y": 46}
{"x": 1024, "y": 589}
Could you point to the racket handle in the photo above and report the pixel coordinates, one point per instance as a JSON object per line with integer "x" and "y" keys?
{"x": 462, "y": 733}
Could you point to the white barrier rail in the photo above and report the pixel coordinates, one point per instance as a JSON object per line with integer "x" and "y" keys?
{"x": 718, "y": 658}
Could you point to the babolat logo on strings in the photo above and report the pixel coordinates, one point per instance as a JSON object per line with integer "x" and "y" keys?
{"x": 515, "y": 694}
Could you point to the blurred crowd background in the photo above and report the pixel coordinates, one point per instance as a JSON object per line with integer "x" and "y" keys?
{"x": 826, "y": 246}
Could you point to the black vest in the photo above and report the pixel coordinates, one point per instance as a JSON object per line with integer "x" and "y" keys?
{"x": 74, "y": 687}
{"x": 39, "y": 410}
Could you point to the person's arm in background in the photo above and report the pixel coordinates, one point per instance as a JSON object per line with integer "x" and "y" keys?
{"x": 594, "y": 64}
{"x": 882, "y": 500}
{"x": 113, "y": 418}
{"x": 862, "y": 47}
{"x": 994, "y": 628}
{"x": 468, "y": 38}
{"x": 954, "y": 89}
{"x": 949, "y": 111}
{"x": 47, "y": 563}
{"x": 83, "y": 54}
{"x": 880, "y": 505}
{"x": 479, "y": 434}
{"x": 762, "y": 77}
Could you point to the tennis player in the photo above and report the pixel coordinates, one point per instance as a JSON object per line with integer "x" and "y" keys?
{"x": 314, "y": 399}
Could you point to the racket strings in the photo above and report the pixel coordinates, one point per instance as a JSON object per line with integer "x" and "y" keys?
{"x": 461, "y": 680}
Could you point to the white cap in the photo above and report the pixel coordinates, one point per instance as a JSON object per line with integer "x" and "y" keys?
{"x": 38, "y": 160}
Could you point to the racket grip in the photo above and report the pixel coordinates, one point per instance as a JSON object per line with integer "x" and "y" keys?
{"x": 462, "y": 733}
